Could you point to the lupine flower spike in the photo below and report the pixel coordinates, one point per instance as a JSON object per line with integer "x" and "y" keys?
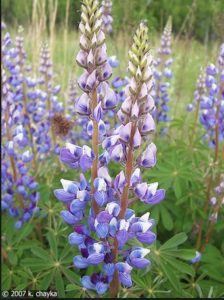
{"x": 210, "y": 94}
{"x": 106, "y": 16}
{"x": 162, "y": 75}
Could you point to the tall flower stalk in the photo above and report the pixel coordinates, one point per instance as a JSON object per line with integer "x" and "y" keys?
{"x": 93, "y": 58}
{"x": 103, "y": 234}
{"x": 106, "y": 16}
{"x": 162, "y": 75}
{"x": 212, "y": 119}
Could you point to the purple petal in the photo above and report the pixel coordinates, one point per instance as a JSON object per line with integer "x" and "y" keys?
{"x": 125, "y": 132}
{"x": 148, "y": 158}
{"x": 80, "y": 262}
{"x": 139, "y": 263}
{"x": 63, "y": 196}
{"x": 104, "y": 217}
{"x": 158, "y": 197}
{"x": 77, "y": 205}
{"x": 102, "y": 230}
{"x": 125, "y": 279}
{"x": 85, "y": 162}
{"x": 147, "y": 237}
{"x": 82, "y": 105}
{"x": 95, "y": 258}
{"x": 68, "y": 217}
{"x": 100, "y": 197}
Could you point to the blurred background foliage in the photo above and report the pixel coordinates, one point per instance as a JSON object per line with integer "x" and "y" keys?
{"x": 201, "y": 19}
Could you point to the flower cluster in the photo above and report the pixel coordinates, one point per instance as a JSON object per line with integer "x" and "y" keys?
{"x": 217, "y": 201}
{"x": 209, "y": 101}
{"x": 162, "y": 75}
{"x": 25, "y": 126}
{"x": 200, "y": 98}
{"x": 106, "y": 16}
{"x": 103, "y": 233}
{"x": 18, "y": 188}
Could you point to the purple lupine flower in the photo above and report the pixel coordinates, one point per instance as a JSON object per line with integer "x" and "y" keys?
{"x": 197, "y": 258}
{"x": 162, "y": 74}
{"x": 106, "y": 16}
{"x": 218, "y": 201}
{"x": 103, "y": 238}
{"x": 210, "y": 98}
{"x": 16, "y": 182}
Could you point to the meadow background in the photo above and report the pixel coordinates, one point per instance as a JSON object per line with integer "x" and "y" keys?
{"x": 38, "y": 256}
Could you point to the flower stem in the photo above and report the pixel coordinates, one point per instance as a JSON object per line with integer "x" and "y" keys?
{"x": 128, "y": 172}
{"x": 95, "y": 147}
{"x": 114, "y": 285}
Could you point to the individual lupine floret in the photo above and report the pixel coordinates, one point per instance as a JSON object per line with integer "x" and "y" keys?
{"x": 162, "y": 75}
{"x": 106, "y": 16}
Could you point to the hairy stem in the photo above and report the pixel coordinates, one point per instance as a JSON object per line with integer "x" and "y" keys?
{"x": 95, "y": 147}
{"x": 114, "y": 285}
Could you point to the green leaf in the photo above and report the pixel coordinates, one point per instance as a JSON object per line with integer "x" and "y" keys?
{"x": 186, "y": 254}
{"x": 180, "y": 266}
{"x": 53, "y": 243}
{"x": 46, "y": 281}
{"x": 59, "y": 284}
{"x": 24, "y": 232}
{"x": 175, "y": 241}
{"x": 166, "y": 218}
{"x": 177, "y": 187}
{"x": 12, "y": 258}
{"x": 171, "y": 276}
{"x": 36, "y": 265}
{"x": 71, "y": 275}
{"x": 72, "y": 287}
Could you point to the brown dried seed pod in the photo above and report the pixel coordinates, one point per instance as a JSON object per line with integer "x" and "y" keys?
{"x": 61, "y": 125}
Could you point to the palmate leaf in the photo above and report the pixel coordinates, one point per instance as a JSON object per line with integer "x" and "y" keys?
{"x": 41, "y": 253}
{"x": 53, "y": 243}
{"x": 36, "y": 264}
